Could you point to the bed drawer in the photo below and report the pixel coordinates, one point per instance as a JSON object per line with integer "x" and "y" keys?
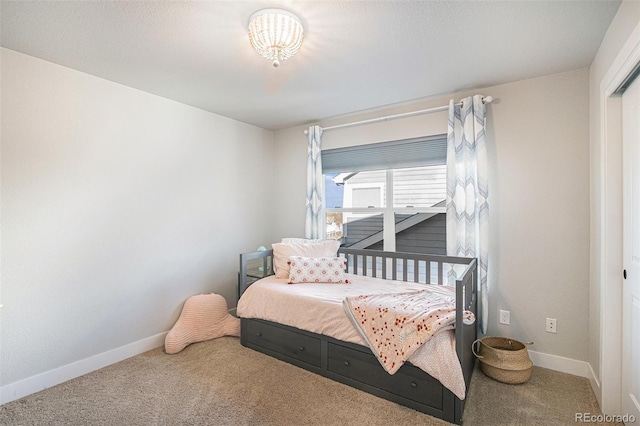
{"x": 409, "y": 382}
{"x": 286, "y": 342}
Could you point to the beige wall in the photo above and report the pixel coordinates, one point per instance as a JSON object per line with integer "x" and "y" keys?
{"x": 117, "y": 205}
{"x": 625, "y": 21}
{"x": 538, "y": 145}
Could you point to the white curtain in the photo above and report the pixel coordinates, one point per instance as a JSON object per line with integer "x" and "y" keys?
{"x": 314, "y": 223}
{"x": 468, "y": 191}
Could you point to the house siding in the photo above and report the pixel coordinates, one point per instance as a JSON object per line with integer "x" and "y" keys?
{"x": 414, "y": 186}
{"x": 427, "y": 237}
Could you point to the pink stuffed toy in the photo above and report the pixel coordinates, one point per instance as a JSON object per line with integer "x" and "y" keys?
{"x": 203, "y": 317}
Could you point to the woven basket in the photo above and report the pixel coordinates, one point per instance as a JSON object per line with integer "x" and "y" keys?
{"x": 505, "y": 360}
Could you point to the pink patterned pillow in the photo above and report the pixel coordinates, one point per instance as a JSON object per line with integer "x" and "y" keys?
{"x": 317, "y": 270}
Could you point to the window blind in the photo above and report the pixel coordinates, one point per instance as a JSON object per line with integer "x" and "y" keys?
{"x": 415, "y": 152}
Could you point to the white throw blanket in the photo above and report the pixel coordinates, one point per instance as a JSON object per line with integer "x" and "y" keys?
{"x": 395, "y": 325}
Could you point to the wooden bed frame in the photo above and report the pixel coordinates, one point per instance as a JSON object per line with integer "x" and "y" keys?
{"x": 353, "y": 364}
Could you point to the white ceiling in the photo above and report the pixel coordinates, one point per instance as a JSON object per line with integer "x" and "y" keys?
{"x": 356, "y": 55}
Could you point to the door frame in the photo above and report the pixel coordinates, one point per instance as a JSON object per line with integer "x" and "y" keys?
{"x": 610, "y": 225}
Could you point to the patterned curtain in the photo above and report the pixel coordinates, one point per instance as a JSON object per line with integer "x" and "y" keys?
{"x": 313, "y": 225}
{"x": 468, "y": 191}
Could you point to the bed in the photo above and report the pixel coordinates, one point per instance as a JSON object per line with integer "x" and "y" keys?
{"x": 352, "y": 363}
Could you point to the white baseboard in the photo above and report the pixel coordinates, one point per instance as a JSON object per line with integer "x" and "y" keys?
{"x": 595, "y": 385}
{"x": 33, "y": 384}
{"x": 570, "y": 366}
{"x": 562, "y": 364}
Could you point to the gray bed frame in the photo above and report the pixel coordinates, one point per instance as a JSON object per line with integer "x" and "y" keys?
{"x": 355, "y": 365}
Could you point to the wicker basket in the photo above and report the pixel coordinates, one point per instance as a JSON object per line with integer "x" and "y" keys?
{"x": 505, "y": 360}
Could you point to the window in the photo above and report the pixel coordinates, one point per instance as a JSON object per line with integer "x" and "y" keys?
{"x": 388, "y": 196}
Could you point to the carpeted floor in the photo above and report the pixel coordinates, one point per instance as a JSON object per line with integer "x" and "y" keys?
{"x": 219, "y": 382}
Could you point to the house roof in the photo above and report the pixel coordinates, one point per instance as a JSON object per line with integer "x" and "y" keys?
{"x": 357, "y": 55}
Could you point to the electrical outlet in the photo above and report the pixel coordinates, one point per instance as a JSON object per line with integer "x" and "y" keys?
{"x": 505, "y": 317}
{"x": 552, "y": 325}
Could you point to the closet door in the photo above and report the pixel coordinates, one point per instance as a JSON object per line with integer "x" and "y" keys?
{"x": 631, "y": 251}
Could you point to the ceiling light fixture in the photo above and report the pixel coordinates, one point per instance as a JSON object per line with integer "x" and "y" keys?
{"x": 275, "y": 34}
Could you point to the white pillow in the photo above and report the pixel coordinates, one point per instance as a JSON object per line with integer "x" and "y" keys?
{"x": 283, "y": 251}
{"x": 317, "y": 270}
{"x": 301, "y": 240}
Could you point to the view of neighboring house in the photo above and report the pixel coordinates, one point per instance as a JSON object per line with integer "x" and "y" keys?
{"x": 356, "y": 203}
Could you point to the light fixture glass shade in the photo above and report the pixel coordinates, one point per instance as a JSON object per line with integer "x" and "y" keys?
{"x": 275, "y": 34}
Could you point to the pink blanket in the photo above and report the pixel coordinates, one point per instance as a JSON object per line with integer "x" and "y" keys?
{"x": 396, "y": 325}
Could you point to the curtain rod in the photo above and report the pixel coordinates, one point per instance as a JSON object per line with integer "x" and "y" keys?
{"x": 486, "y": 100}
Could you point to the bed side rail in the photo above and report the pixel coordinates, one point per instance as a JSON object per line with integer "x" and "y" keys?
{"x": 411, "y": 267}
{"x": 253, "y": 266}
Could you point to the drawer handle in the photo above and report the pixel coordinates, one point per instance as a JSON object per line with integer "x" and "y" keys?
{"x": 413, "y": 385}
{"x": 301, "y": 348}
{"x": 347, "y": 363}
{"x": 259, "y": 334}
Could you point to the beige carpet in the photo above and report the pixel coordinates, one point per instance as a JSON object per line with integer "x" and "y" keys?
{"x": 219, "y": 382}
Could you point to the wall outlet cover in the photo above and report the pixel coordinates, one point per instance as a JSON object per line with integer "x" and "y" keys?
{"x": 505, "y": 317}
{"x": 552, "y": 325}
